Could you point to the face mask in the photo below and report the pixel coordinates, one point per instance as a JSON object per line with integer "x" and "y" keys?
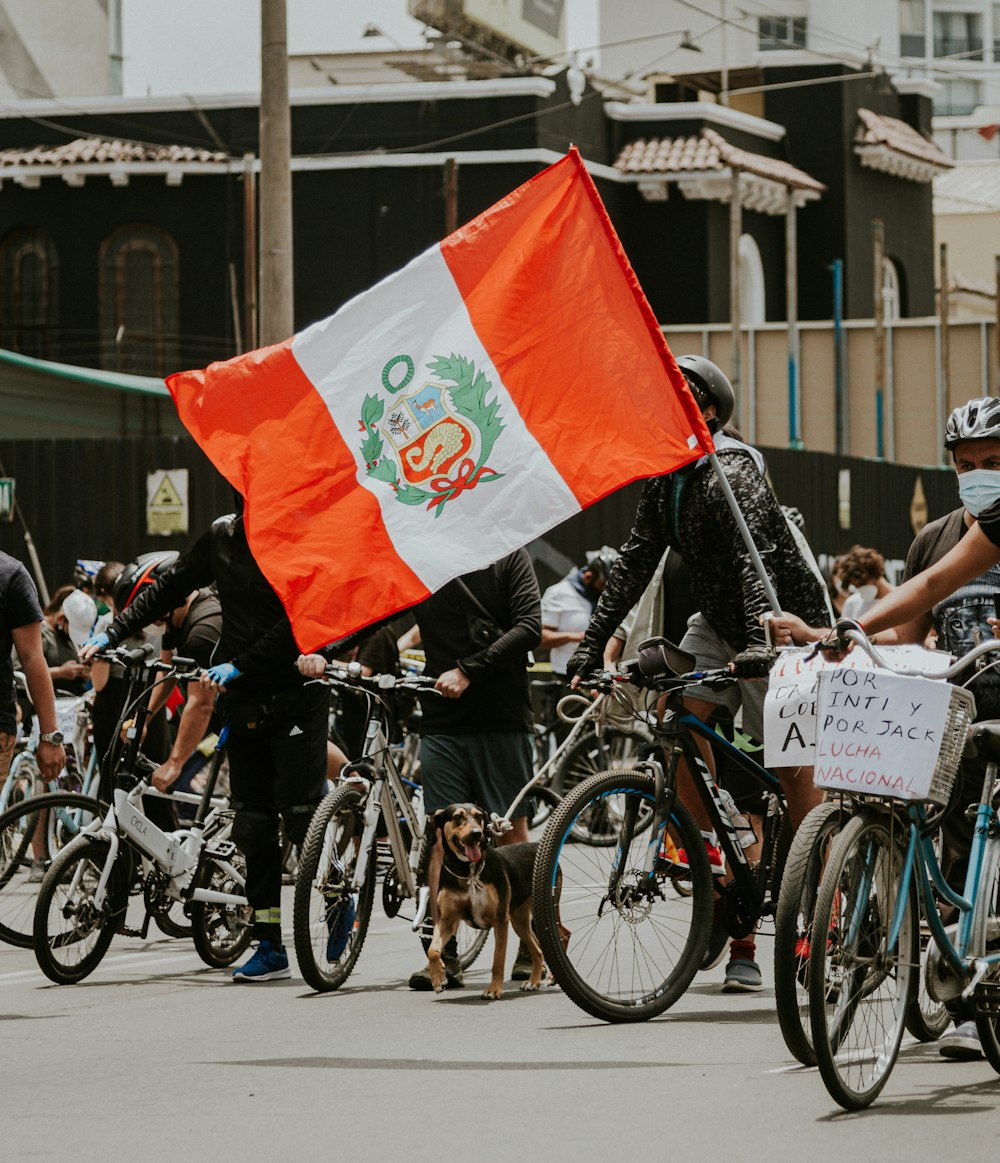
{"x": 978, "y": 489}
{"x": 866, "y": 593}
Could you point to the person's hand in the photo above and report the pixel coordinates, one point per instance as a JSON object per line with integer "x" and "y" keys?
{"x": 220, "y": 674}
{"x": 94, "y": 643}
{"x": 165, "y": 776}
{"x": 311, "y": 665}
{"x": 452, "y": 683}
{"x": 994, "y": 626}
{"x": 70, "y": 670}
{"x": 51, "y": 758}
{"x": 582, "y": 661}
{"x": 789, "y": 630}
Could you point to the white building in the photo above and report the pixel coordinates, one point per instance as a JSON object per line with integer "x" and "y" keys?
{"x": 43, "y": 53}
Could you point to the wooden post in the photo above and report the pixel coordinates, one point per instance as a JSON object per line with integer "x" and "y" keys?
{"x": 450, "y": 196}
{"x": 944, "y": 310}
{"x": 878, "y": 335}
{"x": 277, "y": 308}
{"x": 249, "y": 252}
{"x": 736, "y": 339}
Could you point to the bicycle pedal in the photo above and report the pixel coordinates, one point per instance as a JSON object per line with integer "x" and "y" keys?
{"x": 224, "y": 849}
{"x": 987, "y": 999}
{"x": 125, "y": 931}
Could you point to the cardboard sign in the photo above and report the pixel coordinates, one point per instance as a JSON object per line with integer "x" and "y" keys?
{"x": 879, "y": 733}
{"x": 790, "y": 705}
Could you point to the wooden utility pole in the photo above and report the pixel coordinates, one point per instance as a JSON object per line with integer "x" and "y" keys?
{"x": 878, "y": 313}
{"x": 450, "y": 196}
{"x": 277, "y": 307}
{"x": 249, "y": 252}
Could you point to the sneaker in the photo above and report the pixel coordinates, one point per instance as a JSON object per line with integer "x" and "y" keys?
{"x": 522, "y": 965}
{"x": 718, "y": 947}
{"x": 716, "y": 861}
{"x": 742, "y": 977}
{"x": 961, "y": 1042}
{"x": 340, "y": 914}
{"x": 454, "y": 978}
{"x": 269, "y": 963}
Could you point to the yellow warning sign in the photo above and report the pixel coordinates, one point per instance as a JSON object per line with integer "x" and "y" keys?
{"x": 167, "y": 502}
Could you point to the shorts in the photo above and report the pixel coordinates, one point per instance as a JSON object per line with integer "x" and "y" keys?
{"x": 713, "y": 653}
{"x": 485, "y": 769}
{"x": 7, "y": 742}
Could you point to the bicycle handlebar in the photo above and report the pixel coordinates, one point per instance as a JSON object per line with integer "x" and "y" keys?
{"x": 852, "y": 632}
{"x": 351, "y": 676}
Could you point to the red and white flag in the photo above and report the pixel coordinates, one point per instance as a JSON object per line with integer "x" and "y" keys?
{"x": 502, "y": 381}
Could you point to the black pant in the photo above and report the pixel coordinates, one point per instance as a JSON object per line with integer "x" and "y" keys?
{"x": 277, "y": 771}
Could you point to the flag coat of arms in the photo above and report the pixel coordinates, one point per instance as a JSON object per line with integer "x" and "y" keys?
{"x": 496, "y": 385}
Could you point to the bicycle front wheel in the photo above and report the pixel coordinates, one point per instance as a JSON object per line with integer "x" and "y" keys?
{"x": 860, "y": 985}
{"x": 793, "y": 925}
{"x": 987, "y": 995}
{"x": 71, "y": 933}
{"x": 330, "y": 921}
{"x": 622, "y": 944}
{"x": 30, "y": 835}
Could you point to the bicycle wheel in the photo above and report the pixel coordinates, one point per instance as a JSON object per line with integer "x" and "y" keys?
{"x": 71, "y": 934}
{"x": 590, "y": 756}
{"x": 28, "y": 833}
{"x": 323, "y": 902}
{"x": 987, "y": 995}
{"x": 793, "y": 925}
{"x": 634, "y": 942}
{"x": 926, "y": 1019}
{"x": 859, "y": 985}
{"x": 221, "y": 932}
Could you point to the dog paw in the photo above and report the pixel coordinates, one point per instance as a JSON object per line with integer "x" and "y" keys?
{"x": 530, "y": 986}
{"x": 492, "y": 994}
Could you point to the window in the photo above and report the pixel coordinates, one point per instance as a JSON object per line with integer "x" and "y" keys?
{"x": 912, "y": 28}
{"x": 139, "y": 301}
{"x": 781, "y": 32}
{"x": 958, "y": 34}
{"x": 956, "y": 98}
{"x": 28, "y": 299}
{"x": 752, "y": 299}
{"x": 891, "y": 299}
{"x": 996, "y": 32}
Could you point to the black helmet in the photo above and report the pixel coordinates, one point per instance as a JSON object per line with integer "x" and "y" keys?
{"x": 601, "y": 561}
{"x": 140, "y": 573}
{"x": 972, "y": 421}
{"x": 709, "y": 385}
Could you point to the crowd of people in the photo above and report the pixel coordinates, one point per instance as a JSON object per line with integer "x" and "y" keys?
{"x": 685, "y": 570}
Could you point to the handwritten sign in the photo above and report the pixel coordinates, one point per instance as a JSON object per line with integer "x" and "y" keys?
{"x": 878, "y": 733}
{"x": 790, "y": 705}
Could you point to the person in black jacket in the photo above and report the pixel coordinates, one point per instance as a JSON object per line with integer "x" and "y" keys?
{"x": 277, "y": 724}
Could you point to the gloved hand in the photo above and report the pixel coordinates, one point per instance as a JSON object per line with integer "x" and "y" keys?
{"x": 754, "y": 662}
{"x": 94, "y": 643}
{"x": 222, "y": 673}
{"x": 582, "y": 661}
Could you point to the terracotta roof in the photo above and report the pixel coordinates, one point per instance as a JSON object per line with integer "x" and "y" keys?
{"x": 97, "y": 151}
{"x": 890, "y": 145}
{"x": 707, "y": 153}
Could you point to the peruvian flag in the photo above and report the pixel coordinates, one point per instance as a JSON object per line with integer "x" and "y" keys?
{"x": 502, "y": 381}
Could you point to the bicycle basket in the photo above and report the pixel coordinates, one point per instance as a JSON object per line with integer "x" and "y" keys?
{"x": 961, "y": 712}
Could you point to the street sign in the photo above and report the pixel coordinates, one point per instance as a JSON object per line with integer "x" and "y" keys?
{"x": 167, "y": 502}
{"x": 6, "y": 498}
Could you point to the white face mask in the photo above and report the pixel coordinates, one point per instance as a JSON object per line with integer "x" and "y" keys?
{"x": 978, "y": 489}
{"x": 866, "y": 593}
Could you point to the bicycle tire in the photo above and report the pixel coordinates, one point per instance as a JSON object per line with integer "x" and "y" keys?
{"x": 987, "y": 1015}
{"x": 65, "y": 917}
{"x": 326, "y": 863}
{"x": 18, "y": 895}
{"x": 569, "y": 888}
{"x": 221, "y": 932}
{"x": 859, "y": 988}
{"x": 793, "y": 926}
{"x": 926, "y": 1019}
{"x": 590, "y": 755}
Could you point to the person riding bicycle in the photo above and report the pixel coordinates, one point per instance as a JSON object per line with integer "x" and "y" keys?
{"x": 950, "y": 583}
{"x": 278, "y": 724}
{"x": 687, "y": 510}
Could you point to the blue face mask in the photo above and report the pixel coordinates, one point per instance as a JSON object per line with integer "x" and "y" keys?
{"x": 978, "y": 489}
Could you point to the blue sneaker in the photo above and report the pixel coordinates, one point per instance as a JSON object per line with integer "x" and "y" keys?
{"x": 339, "y": 924}
{"x": 269, "y": 963}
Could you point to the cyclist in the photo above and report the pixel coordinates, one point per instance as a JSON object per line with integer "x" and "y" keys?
{"x": 687, "y": 511}
{"x": 278, "y": 725}
{"x": 568, "y": 605}
{"x": 951, "y": 578}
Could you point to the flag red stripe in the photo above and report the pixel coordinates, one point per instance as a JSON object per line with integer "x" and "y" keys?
{"x": 270, "y": 437}
{"x": 553, "y": 235}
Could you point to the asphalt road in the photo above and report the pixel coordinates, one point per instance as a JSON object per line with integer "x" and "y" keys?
{"x": 155, "y": 1057}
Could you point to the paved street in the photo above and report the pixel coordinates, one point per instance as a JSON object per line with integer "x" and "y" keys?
{"x": 156, "y": 1057}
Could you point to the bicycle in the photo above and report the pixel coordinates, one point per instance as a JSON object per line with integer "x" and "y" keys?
{"x": 85, "y": 894}
{"x": 640, "y": 909}
{"x": 880, "y": 879}
{"x": 372, "y": 822}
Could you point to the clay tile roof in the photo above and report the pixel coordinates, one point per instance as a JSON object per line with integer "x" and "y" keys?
{"x": 707, "y": 152}
{"x": 97, "y": 151}
{"x": 888, "y": 144}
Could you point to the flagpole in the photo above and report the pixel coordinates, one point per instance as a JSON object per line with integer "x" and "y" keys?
{"x": 744, "y": 529}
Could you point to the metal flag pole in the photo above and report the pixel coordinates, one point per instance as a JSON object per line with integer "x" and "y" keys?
{"x": 744, "y": 529}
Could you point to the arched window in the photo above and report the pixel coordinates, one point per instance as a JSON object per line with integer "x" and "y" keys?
{"x": 752, "y": 303}
{"x": 139, "y": 301}
{"x": 892, "y": 307}
{"x": 28, "y": 293}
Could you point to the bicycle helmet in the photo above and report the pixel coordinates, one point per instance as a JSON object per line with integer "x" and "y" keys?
{"x": 709, "y": 385}
{"x": 138, "y": 574}
{"x": 972, "y": 421}
{"x": 601, "y": 561}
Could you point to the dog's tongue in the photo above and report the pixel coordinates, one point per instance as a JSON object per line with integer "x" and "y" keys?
{"x": 473, "y": 853}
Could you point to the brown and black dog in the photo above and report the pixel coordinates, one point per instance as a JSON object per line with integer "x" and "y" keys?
{"x": 486, "y": 887}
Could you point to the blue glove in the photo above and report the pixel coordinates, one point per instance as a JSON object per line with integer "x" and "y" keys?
{"x": 97, "y": 642}
{"x": 222, "y": 673}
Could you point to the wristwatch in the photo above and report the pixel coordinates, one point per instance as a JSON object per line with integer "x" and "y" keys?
{"x": 53, "y": 737}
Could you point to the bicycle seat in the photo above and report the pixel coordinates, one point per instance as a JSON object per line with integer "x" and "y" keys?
{"x": 985, "y": 740}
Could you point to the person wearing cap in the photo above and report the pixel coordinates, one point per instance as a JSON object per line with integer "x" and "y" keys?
{"x": 568, "y": 605}
{"x": 69, "y": 675}
{"x": 687, "y": 510}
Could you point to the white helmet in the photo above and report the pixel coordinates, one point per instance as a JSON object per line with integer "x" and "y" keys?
{"x": 80, "y": 611}
{"x": 972, "y": 421}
